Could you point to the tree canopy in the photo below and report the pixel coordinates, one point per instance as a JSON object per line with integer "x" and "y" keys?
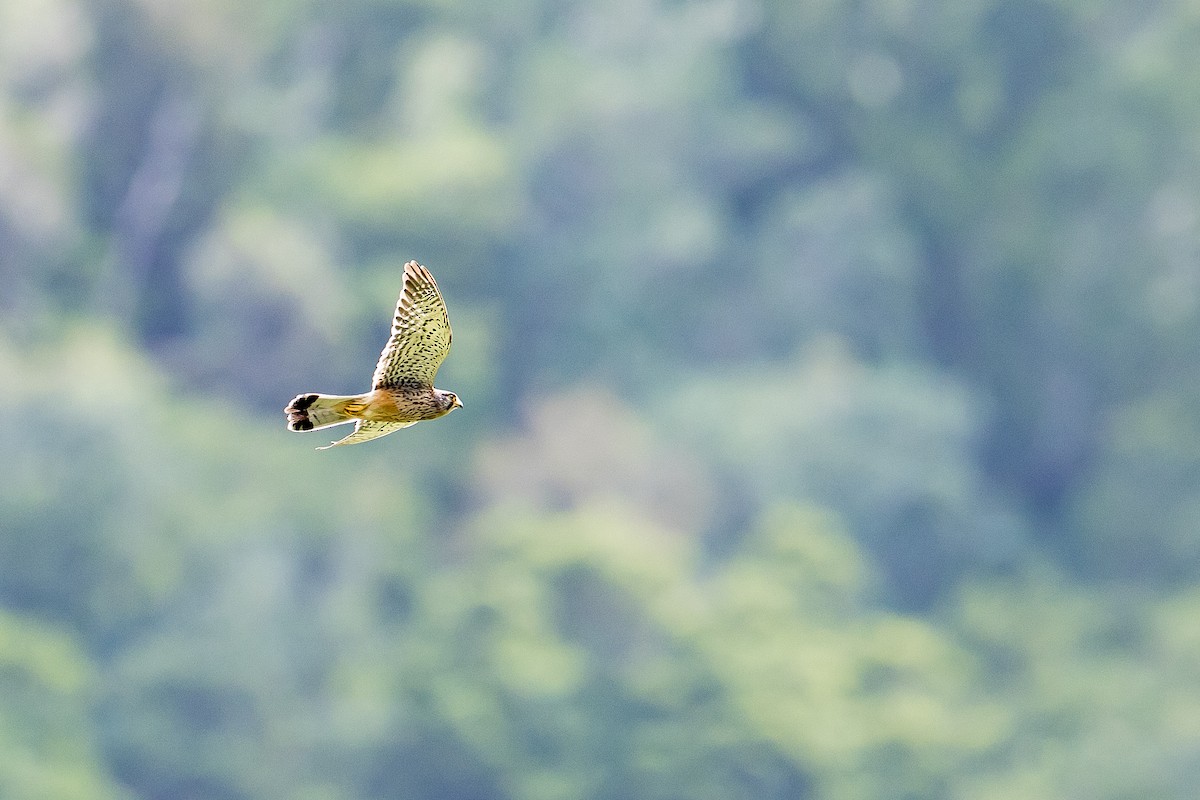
{"x": 831, "y": 387}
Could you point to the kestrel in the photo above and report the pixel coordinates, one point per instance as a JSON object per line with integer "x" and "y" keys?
{"x": 402, "y": 392}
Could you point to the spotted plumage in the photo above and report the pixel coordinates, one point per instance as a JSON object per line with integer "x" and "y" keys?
{"x": 402, "y": 391}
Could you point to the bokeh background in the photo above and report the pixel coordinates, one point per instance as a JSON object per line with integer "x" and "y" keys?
{"x": 832, "y": 383}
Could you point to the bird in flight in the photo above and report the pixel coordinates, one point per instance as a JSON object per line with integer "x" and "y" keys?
{"x": 402, "y": 392}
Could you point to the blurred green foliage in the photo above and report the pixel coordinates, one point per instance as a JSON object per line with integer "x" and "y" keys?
{"x": 830, "y": 374}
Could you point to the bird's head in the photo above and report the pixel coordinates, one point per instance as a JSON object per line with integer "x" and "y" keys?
{"x": 448, "y": 400}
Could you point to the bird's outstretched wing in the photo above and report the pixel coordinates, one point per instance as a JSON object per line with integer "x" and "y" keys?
{"x": 420, "y": 336}
{"x": 365, "y": 431}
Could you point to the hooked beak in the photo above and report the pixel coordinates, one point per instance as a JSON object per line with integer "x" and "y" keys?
{"x": 457, "y": 403}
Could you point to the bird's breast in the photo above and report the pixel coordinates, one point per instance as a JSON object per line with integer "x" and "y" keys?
{"x": 401, "y": 405}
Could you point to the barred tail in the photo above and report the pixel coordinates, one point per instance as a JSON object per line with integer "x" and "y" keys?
{"x": 310, "y": 412}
